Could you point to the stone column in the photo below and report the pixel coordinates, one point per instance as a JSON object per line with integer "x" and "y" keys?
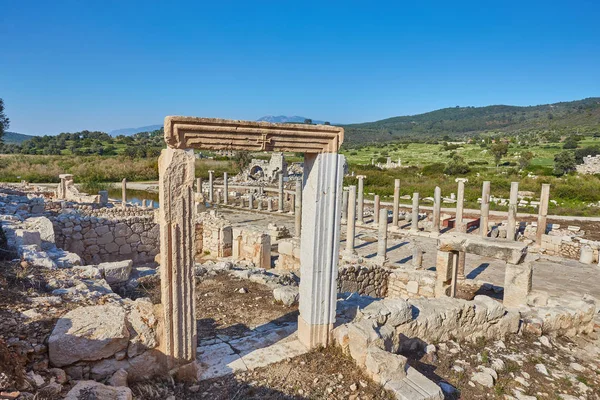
{"x": 199, "y": 185}
{"x": 319, "y": 246}
{"x": 459, "y": 225}
{"x": 298, "y": 209}
{"x": 225, "y": 188}
{"x": 511, "y": 226}
{"x": 396, "y": 203}
{"x": 124, "y": 192}
{"x": 250, "y": 200}
{"x": 437, "y": 208}
{"x": 381, "y": 258}
{"x": 543, "y": 213}
{"x": 280, "y": 207}
{"x": 210, "y": 185}
{"x": 292, "y": 202}
{"x": 376, "y": 208}
{"x": 103, "y": 196}
{"x": 414, "y": 222}
{"x": 485, "y": 209}
{"x": 344, "y": 206}
{"x": 269, "y": 204}
{"x": 259, "y": 205}
{"x": 417, "y": 256}
{"x": 177, "y": 231}
{"x": 218, "y": 196}
{"x": 351, "y": 222}
{"x": 517, "y": 284}
{"x": 361, "y": 199}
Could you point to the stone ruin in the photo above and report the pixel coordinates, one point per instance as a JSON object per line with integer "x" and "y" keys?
{"x": 264, "y": 171}
{"x": 590, "y": 166}
{"x": 67, "y": 191}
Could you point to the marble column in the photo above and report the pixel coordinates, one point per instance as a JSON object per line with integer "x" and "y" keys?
{"x": 414, "y": 222}
{"x": 269, "y": 205}
{"x": 199, "y": 185}
{"x": 210, "y": 185}
{"x": 437, "y": 208}
{"x": 292, "y": 203}
{"x": 459, "y": 225}
{"x": 319, "y": 246}
{"x": 361, "y": 199}
{"x": 280, "y": 206}
{"x": 344, "y": 206}
{"x": 351, "y": 222}
{"x": 511, "y": 225}
{"x": 485, "y": 209}
{"x": 124, "y": 192}
{"x": 376, "y": 208}
{"x": 177, "y": 242}
{"x": 298, "y": 209}
{"x": 542, "y": 213}
{"x": 225, "y": 188}
{"x": 396, "y": 203}
{"x": 381, "y": 258}
{"x": 250, "y": 200}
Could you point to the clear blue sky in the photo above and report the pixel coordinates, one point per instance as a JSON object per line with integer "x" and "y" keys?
{"x": 73, "y": 65}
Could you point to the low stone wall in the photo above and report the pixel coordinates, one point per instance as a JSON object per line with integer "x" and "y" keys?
{"x": 364, "y": 280}
{"x": 213, "y": 235}
{"x": 100, "y": 239}
{"x": 289, "y": 255}
{"x": 410, "y": 284}
{"x": 253, "y": 246}
{"x": 570, "y": 247}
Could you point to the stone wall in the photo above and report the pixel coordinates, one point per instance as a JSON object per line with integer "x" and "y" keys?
{"x": 98, "y": 239}
{"x": 364, "y": 280}
{"x": 253, "y": 246}
{"x": 570, "y": 247}
{"x": 289, "y": 255}
{"x": 409, "y": 284}
{"x": 213, "y": 235}
{"x": 591, "y": 165}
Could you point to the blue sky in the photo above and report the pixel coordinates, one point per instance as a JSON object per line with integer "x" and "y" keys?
{"x": 103, "y": 65}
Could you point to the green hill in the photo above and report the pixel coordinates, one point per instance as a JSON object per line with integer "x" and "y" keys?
{"x": 458, "y": 122}
{"x": 15, "y": 138}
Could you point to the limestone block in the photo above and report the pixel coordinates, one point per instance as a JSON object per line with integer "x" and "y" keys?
{"x": 143, "y": 324}
{"x": 28, "y": 238}
{"x": 88, "y": 333}
{"x": 383, "y": 366}
{"x": 517, "y": 284}
{"x": 116, "y": 272}
{"x": 288, "y": 295}
{"x": 509, "y": 251}
{"x": 96, "y": 390}
{"x": 586, "y": 255}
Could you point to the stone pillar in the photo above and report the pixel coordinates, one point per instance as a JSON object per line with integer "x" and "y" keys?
{"x": 344, "y": 206}
{"x": 543, "y": 213}
{"x": 414, "y": 222}
{"x": 376, "y": 208}
{"x": 517, "y": 284}
{"x": 199, "y": 185}
{"x": 250, "y": 200}
{"x": 225, "y": 188}
{"x": 511, "y": 226}
{"x": 103, "y": 196}
{"x": 381, "y": 258}
{"x": 444, "y": 267}
{"x": 351, "y": 222}
{"x": 361, "y": 199}
{"x": 259, "y": 205}
{"x": 177, "y": 231}
{"x": 319, "y": 246}
{"x": 298, "y": 209}
{"x": 218, "y": 196}
{"x": 269, "y": 204}
{"x": 396, "y": 203}
{"x": 280, "y": 207}
{"x": 292, "y": 202}
{"x": 124, "y": 192}
{"x": 460, "y": 270}
{"x": 210, "y": 185}
{"x": 437, "y": 208}
{"x": 459, "y": 225}
{"x": 485, "y": 209}
{"x": 417, "y": 256}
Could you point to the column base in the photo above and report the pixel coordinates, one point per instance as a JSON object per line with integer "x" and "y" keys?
{"x": 313, "y": 335}
{"x": 378, "y": 260}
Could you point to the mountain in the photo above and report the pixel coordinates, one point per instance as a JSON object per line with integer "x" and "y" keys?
{"x": 564, "y": 117}
{"x": 286, "y": 119}
{"x": 15, "y": 138}
{"x": 133, "y": 131}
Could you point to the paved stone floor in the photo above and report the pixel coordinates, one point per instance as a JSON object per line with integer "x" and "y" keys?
{"x": 557, "y": 276}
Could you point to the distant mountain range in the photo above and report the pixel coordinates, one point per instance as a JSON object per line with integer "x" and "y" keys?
{"x": 15, "y": 138}
{"x": 284, "y": 119}
{"x": 133, "y": 131}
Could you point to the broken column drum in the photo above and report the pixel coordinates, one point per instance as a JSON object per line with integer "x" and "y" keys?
{"x": 322, "y": 183}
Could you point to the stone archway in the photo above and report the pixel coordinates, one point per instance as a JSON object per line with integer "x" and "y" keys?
{"x": 321, "y": 212}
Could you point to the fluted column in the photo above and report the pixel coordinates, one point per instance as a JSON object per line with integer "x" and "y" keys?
{"x": 322, "y": 187}
{"x": 177, "y": 231}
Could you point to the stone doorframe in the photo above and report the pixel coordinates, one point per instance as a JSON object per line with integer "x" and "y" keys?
{"x": 321, "y": 212}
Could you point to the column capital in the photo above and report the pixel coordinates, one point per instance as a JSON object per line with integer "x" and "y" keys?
{"x": 464, "y": 180}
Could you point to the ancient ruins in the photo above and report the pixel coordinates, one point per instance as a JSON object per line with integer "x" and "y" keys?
{"x": 380, "y": 281}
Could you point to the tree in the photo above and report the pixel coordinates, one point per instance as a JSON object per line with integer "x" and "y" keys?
{"x": 242, "y": 159}
{"x": 564, "y": 162}
{"x": 308, "y": 121}
{"x": 499, "y": 150}
{"x": 580, "y": 154}
{"x": 457, "y": 166}
{"x": 570, "y": 143}
{"x": 4, "y": 121}
{"x": 525, "y": 159}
